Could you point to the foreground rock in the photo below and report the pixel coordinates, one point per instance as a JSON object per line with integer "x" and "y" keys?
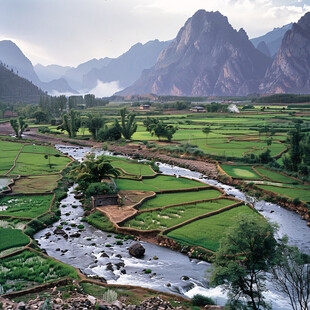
{"x": 80, "y": 301}
{"x": 137, "y": 250}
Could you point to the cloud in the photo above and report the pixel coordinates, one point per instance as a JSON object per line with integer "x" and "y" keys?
{"x": 105, "y": 89}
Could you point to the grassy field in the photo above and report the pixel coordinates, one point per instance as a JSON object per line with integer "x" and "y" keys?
{"x": 36, "y": 184}
{"x": 293, "y": 193}
{"x": 160, "y": 182}
{"x": 244, "y": 172}
{"x": 275, "y": 176}
{"x": 98, "y": 220}
{"x": 207, "y": 232}
{"x": 25, "y": 206}
{"x": 161, "y": 200}
{"x": 10, "y": 238}
{"x": 36, "y": 164}
{"x": 32, "y": 148}
{"x": 133, "y": 168}
{"x": 28, "y": 269}
{"x": 172, "y": 216}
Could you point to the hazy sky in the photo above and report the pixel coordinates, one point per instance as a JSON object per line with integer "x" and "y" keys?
{"x": 69, "y": 32}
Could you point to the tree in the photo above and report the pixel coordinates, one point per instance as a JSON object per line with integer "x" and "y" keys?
{"x": 95, "y": 122}
{"x": 18, "y": 126}
{"x": 128, "y": 125}
{"x": 245, "y": 254}
{"x": 206, "y": 131}
{"x": 294, "y": 159}
{"x": 109, "y": 133}
{"x": 71, "y": 123}
{"x": 291, "y": 276}
{"x": 40, "y": 116}
{"x": 159, "y": 128}
{"x": 93, "y": 171}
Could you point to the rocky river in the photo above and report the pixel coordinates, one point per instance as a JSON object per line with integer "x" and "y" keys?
{"x": 96, "y": 253}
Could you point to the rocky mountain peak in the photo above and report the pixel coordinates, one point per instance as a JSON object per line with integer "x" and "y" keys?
{"x": 208, "y": 57}
{"x": 290, "y": 69}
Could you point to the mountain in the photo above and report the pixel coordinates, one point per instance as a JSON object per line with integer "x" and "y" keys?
{"x": 58, "y": 86}
{"x": 290, "y": 70}
{"x": 11, "y": 55}
{"x": 13, "y": 88}
{"x": 128, "y": 67}
{"x": 208, "y": 57}
{"x": 74, "y": 76}
{"x": 262, "y": 47}
{"x": 50, "y": 72}
{"x": 272, "y": 39}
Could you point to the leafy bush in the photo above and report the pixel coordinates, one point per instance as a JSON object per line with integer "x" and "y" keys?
{"x": 200, "y": 300}
{"x": 99, "y": 188}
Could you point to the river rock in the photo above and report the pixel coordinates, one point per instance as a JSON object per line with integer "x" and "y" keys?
{"x": 104, "y": 254}
{"x": 110, "y": 267}
{"x": 75, "y": 235}
{"x": 136, "y": 250}
{"x": 78, "y": 196}
{"x": 59, "y": 231}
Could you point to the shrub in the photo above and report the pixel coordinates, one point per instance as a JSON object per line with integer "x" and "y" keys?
{"x": 200, "y": 300}
{"x": 148, "y": 271}
{"x": 109, "y": 296}
{"x": 98, "y": 189}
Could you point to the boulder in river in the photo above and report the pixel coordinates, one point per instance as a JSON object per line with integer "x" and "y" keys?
{"x": 59, "y": 231}
{"x": 136, "y": 250}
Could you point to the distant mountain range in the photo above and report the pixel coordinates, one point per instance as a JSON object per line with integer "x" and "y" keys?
{"x": 208, "y": 57}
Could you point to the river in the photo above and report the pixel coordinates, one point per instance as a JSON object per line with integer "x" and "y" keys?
{"x": 172, "y": 271}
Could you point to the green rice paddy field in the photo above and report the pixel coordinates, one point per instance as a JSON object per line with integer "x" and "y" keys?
{"x": 10, "y": 238}
{"x": 293, "y": 193}
{"x": 207, "y": 232}
{"x": 161, "y": 200}
{"x": 172, "y": 216}
{"x": 25, "y": 206}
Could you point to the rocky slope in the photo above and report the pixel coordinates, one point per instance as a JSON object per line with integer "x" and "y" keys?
{"x": 208, "y": 57}
{"x": 290, "y": 70}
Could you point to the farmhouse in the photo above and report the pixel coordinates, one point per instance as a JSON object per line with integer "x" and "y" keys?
{"x": 198, "y": 109}
{"x": 145, "y": 107}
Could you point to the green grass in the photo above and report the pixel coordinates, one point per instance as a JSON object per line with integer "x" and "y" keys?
{"x": 10, "y": 238}
{"x": 98, "y": 220}
{"x": 172, "y": 216}
{"x": 31, "y": 148}
{"x": 160, "y": 182}
{"x": 10, "y": 146}
{"x": 133, "y": 168}
{"x": 275, "y": 176}
{"x": 36, "y": 184}
{"x": 161, "y": 200}
{"x": 244, "y": 172}
{"x": 293, "y": 193}
{"x": 25, "y": 206}
{"x": 36, "y": 164}
{"x": 28, "y": 269}
{"x": 7, "y": 160}
{"x": 208, "y": 232}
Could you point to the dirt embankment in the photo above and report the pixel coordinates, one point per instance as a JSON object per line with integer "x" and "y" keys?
{"x": 204, "y": 167}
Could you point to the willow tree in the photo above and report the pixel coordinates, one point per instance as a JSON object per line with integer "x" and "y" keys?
{"x": 128, "y": 125}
